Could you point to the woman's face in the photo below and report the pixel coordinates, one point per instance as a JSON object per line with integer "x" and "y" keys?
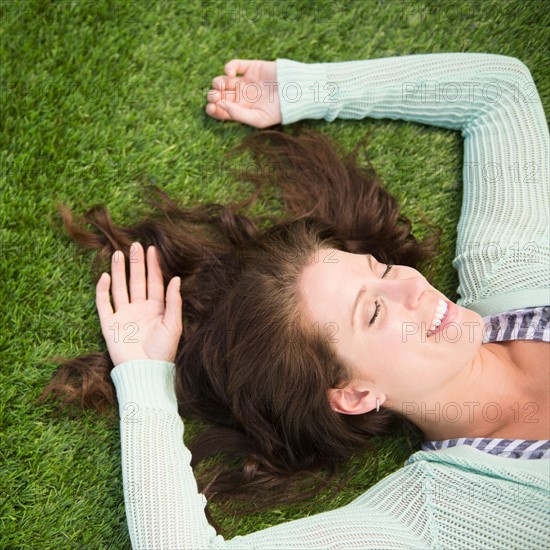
{"x": 392, "y": 353}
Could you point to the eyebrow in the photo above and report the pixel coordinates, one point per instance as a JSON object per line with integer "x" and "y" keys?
{"x": 360, "y": 294}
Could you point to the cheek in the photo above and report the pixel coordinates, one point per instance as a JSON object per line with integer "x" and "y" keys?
{"x": 400, "y": 336}
{"x": 391, "y": 348}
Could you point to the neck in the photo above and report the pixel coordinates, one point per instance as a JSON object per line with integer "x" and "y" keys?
{"x": 491, "y": 398}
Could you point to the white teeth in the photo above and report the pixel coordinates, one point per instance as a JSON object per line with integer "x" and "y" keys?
{"x": 440, "y": 312}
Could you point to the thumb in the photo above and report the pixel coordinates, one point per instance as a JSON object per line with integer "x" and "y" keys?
{"x": 173, "y": 312}
{"x": 237, "y": 66}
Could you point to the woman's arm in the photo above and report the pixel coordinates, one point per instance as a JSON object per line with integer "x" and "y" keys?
{"x": 502, "y": 252}
{"x": 452, "y": 503}
{"x": 163, "y": 506}
{"x": 165, "y": 510}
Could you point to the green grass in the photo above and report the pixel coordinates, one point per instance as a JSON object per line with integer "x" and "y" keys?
{"x": 98, "y": 96}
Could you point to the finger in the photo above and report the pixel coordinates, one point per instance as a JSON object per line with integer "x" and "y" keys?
{"x": 138, "y": 291}
{"x": 119, "y": 288}
{"x": 213, "y": 96}
{"x": 242, "y": 114}
{"x": 155, "y": 283}
{"x": 223, "y": 83}
{"x": 215, "y": 110}
{"x": 102, "y": 300}
{"x": 172, "y": 315}
{"x": 236, "y": 66}
{"x": 223, "y": 92}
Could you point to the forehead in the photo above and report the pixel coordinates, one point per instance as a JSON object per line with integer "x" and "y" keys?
{"x": 330, "y": 282}
{"x": 328, "y": 265}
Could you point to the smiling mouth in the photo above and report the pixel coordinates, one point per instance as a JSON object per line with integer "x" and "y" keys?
{"x": 440, "y": 313}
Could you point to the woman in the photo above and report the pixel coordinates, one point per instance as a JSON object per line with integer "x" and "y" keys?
{"x": 472, "y": 376}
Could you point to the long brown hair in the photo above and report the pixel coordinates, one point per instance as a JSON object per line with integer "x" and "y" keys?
{"x": 247, "y": 363}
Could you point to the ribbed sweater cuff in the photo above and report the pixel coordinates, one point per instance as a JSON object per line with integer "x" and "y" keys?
{"x": 507, "y": 301}
{"x": 303, "y": 90}
{"x": 145, "y": 384}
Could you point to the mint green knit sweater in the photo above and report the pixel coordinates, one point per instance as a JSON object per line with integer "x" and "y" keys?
{"x": 453, "y": 498}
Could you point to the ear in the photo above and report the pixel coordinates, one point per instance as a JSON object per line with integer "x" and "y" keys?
{"x": 353, "y": 401}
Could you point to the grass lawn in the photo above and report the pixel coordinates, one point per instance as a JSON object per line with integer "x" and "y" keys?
{"x": 98, "y": 96}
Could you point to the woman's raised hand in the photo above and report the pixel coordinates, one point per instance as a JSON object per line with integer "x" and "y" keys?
{"x": 251, "y": 98}
{"x": 141, "y": 326}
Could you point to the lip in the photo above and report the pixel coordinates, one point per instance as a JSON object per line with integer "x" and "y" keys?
{"x": 452, "y": 313}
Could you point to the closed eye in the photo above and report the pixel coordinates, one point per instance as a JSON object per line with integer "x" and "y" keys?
{"x": 377, "y": 304}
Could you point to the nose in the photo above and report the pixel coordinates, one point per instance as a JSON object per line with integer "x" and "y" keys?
{"x": 406, "y": 291}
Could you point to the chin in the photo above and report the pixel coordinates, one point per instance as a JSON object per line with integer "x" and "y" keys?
{"x": 474, "y": 329}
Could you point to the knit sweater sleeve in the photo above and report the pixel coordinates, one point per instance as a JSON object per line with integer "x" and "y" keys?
{"x": 502, "y": 251}
{"x": 164, "y": 509}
